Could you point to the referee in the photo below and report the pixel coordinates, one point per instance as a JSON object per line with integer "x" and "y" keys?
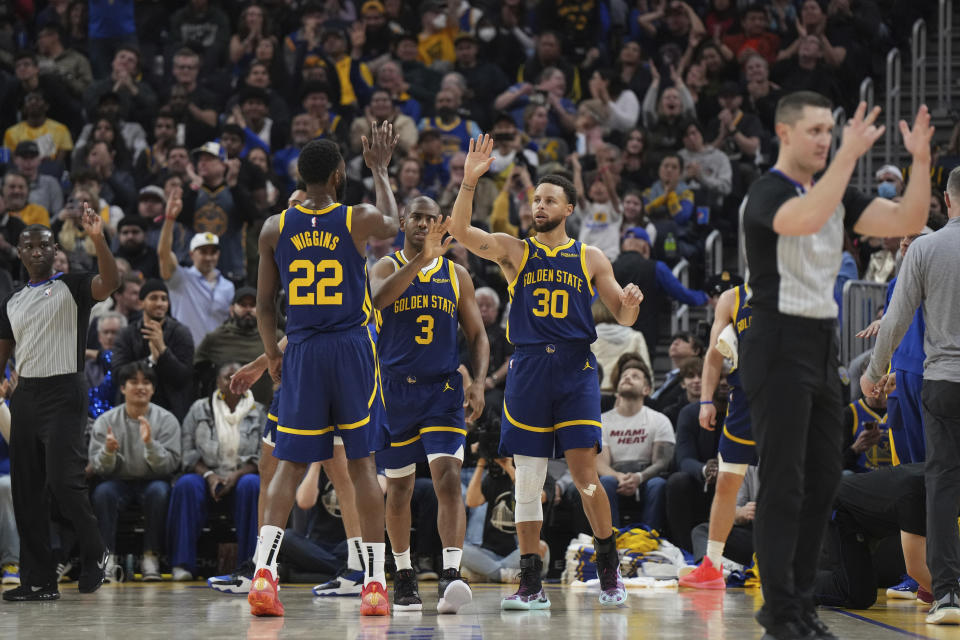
{"x": 793, "y": 235}
{"x": 44, "y": 325}
{"x": 929, "y": 276}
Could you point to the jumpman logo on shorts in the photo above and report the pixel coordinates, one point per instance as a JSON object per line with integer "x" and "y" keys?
{"x": 446, "y": 386}
{"x": 587, "y": 365}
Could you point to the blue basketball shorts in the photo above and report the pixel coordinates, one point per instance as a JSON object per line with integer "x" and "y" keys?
{"x": 270, "y": 427}
{"x": 426, "y": 420}
{"x": 737, "y": 446}
{"x": 551, "y": 402}
{"x": 330, "y": 385}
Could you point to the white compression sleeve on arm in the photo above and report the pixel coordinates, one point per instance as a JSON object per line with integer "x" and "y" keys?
{"x": 531, "y": 474}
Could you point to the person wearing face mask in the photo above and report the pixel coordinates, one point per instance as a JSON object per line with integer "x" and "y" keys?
{"x": 889, "y": 182}
{"x": 238, "y": 338}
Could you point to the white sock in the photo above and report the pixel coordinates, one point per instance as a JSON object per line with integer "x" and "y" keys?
{"x": 403, "y": 560}
{"x": 451, "y": 557}
{"x": 268, "y": 548}
{"x": 374, "y": 563}
{"x": 715, "y": 552}
{"x": 355, "y": 554}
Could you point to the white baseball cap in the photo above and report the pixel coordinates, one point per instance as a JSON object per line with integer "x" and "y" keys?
{"x": 205, "y": 239}
{"x": 889, "y": 170}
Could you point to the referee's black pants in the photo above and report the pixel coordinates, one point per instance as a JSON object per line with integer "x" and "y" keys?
{"x": 47, "y": 458}
{"x": 941, "y": 422}
{"x": 788, "y": 367}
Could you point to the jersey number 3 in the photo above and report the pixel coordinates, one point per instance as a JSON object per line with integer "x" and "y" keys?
{"x": 426, "y": 330}
{"x": 297, "y": 297}
{"x": 551, "y": 303}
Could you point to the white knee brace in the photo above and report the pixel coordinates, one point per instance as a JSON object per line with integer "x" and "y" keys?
{"x": 531, "y": 474}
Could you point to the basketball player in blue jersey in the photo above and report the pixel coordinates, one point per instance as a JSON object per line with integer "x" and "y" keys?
{"x": 318, "y": 256}
{"x": 552, "y": 399}
{"x": 737, "y": 447}
{"x": 423, "y": 297}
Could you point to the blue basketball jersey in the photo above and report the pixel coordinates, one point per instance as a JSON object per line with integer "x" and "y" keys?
{"x": 880, "y": 454}
{"x": 551, "y": 296}
{"x": 419, "y": 331}
{"x": 324, "y": 275}
{"x": 741, "y": 324}
{"x": 455, "y": 137}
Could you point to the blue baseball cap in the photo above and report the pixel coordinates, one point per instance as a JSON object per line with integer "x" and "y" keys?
{"x": 637, "y": 232}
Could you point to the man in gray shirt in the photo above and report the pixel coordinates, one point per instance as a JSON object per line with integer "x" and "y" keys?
{"x": 135, "y": 448}
{"x": 928, "y": 276}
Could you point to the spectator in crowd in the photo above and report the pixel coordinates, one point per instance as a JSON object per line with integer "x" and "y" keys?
{"x": 98, "y": 368}
{"x": 221, "y": 448}
{"x": 739, "y": 545}
{"x": 9, "y": 538}
{"x": 488, "y": 301}
{"x": 236, "y": 338}
{"x": 669, "y": 203}
{"x": 614, "y": 340}
{"x": 706, "y": 169}
{"x": 28, "y": 79}
{"x": 512, "y": 213}
{"x": 599, "y": 209}
{"x": 203, "y": 26}
{"x": 889, "y": 181}
{"x": 663, "y": 118}
{"x": 655, "y": 279}
{"x": 71, "y": 66}
{"x": 803, "y": 68}
{"x": 508, "y": 149}
{"x": 190, "y": 103}
{"x": 45, "y": 190}
{"x": 382, "y": 108}
{"x": 151, "y": 205}
{"x": 52, "y": 137}
{"x": 355, "y": 78}
{"x": 390, "y": 77}
{"x": 455, "y": 132}
{"x": 549, "y": 149}
{"x": 316, "y": 99}
{"x": 150, "y": 165}
{"x": 737, "y": 134}
{"x": 683, "y": 345}
{"x": 622, "y": 103}
{"x": 132, "y": 246}
{"x": 867, "y": 439}
{"x": 302, "y": 129}
{"x": 71, "y": 236}
{"x": 116, "y": 184}
{"x": 550, "y": 91}
{"x": 483, "y": 197}
{"x": 762, "y": 95}
{"x": 138, "y": 101}
{"x": 497, "y": 557}
{"x": 126, "y": 137}
{"x": 10, "y": 229}
{"x": 134, "y": 449}
{"x": 485, "y": 79}
{"x": 201, "y": 294}
{"x": 638, "y": 446}
{"x": 16, "y": 193}
{"x": 112, "y": 26}
{"x": 691, "y": 487}
{"x": 755, "y": 36}
{"x": 435, "y": 41}
{"x": 234, "y": 140}
{"x": 690, "y": 383}
{"x": 164, "y": 345}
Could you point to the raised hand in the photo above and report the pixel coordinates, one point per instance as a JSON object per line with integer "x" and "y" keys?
{"x": 91, "y": 221}
{"x": 434, "y": 245}
{"x": 379, "y": 149}
{"x": 631, "y": 296}
{"x": 478, "y": 159}
{"x": 861, "y": 133}
{"x": 174, "y": 204}
{"x": 917, "y": 140}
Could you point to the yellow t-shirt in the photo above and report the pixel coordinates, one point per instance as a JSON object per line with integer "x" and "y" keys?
{"x": 348, "y": 95}
{"x": 438, "y": 46}
{"x": 33, "y": 214}
{"x": 52, "y": 137}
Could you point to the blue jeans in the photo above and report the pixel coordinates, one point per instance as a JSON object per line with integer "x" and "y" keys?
{"x": 188, "y": 513}
{"x": 110, "y": 497}
{"x": 651, "y": 503}
{"x": 476, "y": 515}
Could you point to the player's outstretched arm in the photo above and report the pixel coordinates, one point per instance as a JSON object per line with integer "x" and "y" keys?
{"x": 383, "y": 220}
{"x": 387, "y": 283}
{"x": 623, "y": 302}
{"x": 472, "y": 324}
{"x": 713, "y": 362}
{"x": 268, "y": 281}
{"x": 501, "y": 248}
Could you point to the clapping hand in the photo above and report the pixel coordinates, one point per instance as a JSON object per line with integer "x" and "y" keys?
{"x": 146, "y": 433}
{"x": 111, "y": 444}
{"x": 152, "y": 332}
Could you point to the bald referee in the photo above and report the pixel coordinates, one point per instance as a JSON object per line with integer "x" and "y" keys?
{"x": 793, "y": 234}
{"x": 44, "y": 326}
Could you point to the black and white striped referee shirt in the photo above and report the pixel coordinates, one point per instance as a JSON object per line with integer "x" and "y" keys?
{"x": 48, "y": 321}
{"x": 793, "y": 275}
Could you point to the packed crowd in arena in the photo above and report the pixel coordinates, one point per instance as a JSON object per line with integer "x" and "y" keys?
{"x": 156, "y": 143}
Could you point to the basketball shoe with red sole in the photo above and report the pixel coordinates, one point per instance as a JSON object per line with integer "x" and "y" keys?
{"x": 374, "y": 600}
{"x": 706, "y": 576}
{"x": 263, "y": 597}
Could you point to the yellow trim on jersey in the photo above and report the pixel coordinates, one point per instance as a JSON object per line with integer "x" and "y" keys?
{"x": 525, "y": 427}
{"x": 736, "y": 306}
{"x": 584, "y": 423}
{"x": 358, "y": 423}
{"x": 856, "y": 417}
{"x": 523, "y": 263}
{"x": 446, "y": 128}
{"x": 376, "y": 370}
{"x": 317, "y": 212}
{"x": 552, "y": 253}
{"x": 462, "y": 432}
{"x": 349, "y": 219}
{"x": 283, "y": 215}
{"x": 894, "y": 458}
{"x": 873, "y": 414}
{"x": 733, "y": 438}
{"x": 425, "y": 277}
{"x": 270, "y": 416}
{"x": 305, "y": 432}
{"x": 405, "y": 442}
{"x": 454, "y": 280}
{"x": 583, "y": 265}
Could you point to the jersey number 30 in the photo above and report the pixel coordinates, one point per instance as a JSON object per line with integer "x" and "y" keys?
{"x": 551, "y": 303}
{"x": 311, "y": 271}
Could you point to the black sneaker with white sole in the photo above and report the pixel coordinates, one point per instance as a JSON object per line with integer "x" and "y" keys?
{"x": 406, "y": 596}
{"x": 93, "y": 574}
{"x": 27, "y": 593}
{"x": 453, "y": 590}
{"x": 945, "y": 610}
